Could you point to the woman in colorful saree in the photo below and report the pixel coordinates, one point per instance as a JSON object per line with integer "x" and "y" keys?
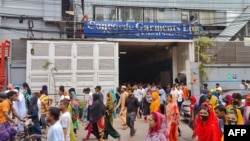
{"x": 193, "y": 101}
{"x": 155, "y": 103}
{"x": 157, "y": 127}
{"x": 234, "y": 117}
{"x": 207, "y": 125}
{"x": 112, "y": 91}
{"x": 109, "y": 129}
{"x": 172, "y": 115}
{"x": 96, "y": 115}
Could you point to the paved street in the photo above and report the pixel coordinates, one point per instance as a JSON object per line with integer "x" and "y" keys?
{"x": 142, "y": 129}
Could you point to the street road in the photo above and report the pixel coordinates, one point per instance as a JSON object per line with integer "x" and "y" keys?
{"x": 142, "y": 129}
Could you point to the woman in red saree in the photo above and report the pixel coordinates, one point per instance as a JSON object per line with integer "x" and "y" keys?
{"x": 207, "y": 125}
{"x": 193, "y": 101}
{"x": 172, "y": 115}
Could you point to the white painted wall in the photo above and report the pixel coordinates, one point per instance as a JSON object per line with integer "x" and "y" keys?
{"x": 182, "y": 56}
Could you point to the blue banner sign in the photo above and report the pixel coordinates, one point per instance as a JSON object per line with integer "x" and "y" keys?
{"x": 106, "y": 29}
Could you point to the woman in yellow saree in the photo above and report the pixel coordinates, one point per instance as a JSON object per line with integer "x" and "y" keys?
{"x": 155, "y": 104}
{"x": 234, "y": 117}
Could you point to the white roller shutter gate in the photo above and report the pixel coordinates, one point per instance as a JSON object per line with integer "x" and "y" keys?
{"x": 79, "y": 64}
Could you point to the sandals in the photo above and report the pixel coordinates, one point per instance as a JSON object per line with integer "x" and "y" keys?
{"x": 124, "y": 127}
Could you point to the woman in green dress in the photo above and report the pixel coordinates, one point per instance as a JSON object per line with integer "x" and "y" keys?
{"x": 109, "y": 129}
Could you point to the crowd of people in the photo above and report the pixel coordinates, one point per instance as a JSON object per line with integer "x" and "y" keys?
{"x": 157, "y": 105}
{"x": 211, "y": 112}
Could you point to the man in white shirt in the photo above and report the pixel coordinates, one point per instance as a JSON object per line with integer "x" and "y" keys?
{"x": 242, "y": 85}
{"x": 179, "y": 96}
{"x": 55, "y": 132}
{"x": 174, "y": 92}
{"x": 65, "y": 119}
{"x": 20, "y": 108}
{"x": 138, "y": 94}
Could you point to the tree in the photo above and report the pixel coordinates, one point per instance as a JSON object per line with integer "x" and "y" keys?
{"x": 49, "y": 66}
{"x": 201, "y": 45}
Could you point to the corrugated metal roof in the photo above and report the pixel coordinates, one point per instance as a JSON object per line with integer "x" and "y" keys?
{"x": 233, "y": 28}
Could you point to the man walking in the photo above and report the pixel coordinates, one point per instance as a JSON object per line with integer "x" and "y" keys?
{"x": 132, "y": 105}
{"x": 123, "y": 112}
{"x": 98, "y": 91}
{"x": 55, "y": 132}
{"x": 65, "y": 119}
{"x": 162, "y": 95}
{"x": 44, "y": 100}
{"x": 138, "y": 94}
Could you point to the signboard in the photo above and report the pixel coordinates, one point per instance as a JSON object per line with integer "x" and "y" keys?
{"x": 231, "y": 76}
{"x": 106, "y": 29}
{"x": 234, "y": 76}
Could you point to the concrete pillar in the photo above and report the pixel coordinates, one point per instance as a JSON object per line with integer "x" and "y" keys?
{"x": 188, "y": 74}
{"x": 174, "y": 62}
{"x": 191, "y": 52}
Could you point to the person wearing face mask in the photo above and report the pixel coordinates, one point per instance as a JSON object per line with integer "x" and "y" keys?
{"x": 237, "y": 98}
{"x": 207, "y": 127}
{"x": 234, "y": 117}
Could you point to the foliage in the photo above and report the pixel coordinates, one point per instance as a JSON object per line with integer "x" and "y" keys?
{"x": 49, "y": 66}
{"x": 82, "y": 105}
{"x": 201, "y": 45}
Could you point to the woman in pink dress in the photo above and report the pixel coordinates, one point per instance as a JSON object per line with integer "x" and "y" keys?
{"x": 157, "y": 127}
{"x": 172, "y": 115}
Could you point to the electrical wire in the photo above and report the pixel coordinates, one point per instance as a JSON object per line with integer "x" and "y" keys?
{"x": 39, "y": 30}
{"x": 191, "y": 2}
{"x": 114, "y": 33}
{"x": 184, "y": 3}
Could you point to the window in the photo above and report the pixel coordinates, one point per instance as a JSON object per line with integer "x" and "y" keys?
{"x": 130, "y": 14}
{"x": 149, "y": 15}
{"x": 161, "y": 15}
{"x": 105, "y": 13}
{"x": 184, "y": 16}
{"x": 221, "y": 18}
{"x": 207, "y": 17}
{"x": 194, "y": 16}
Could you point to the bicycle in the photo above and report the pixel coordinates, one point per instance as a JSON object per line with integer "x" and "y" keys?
{"x": 25, "y": 135}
